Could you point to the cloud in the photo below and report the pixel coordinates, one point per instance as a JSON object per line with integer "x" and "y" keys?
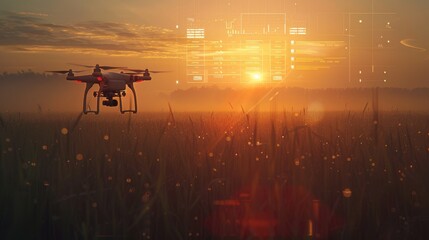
{"x": 29, "y": 32}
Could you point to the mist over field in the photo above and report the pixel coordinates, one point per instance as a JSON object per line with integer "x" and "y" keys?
{"x": 27, "y": 91}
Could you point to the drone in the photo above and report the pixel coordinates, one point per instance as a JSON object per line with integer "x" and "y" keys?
{"x": 112, "y": 85}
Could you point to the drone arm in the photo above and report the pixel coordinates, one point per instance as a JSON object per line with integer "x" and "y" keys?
{"x": 86, "y": 78}
{"x": 145, "y": 77}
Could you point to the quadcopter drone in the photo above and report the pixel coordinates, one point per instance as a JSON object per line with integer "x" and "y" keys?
{"x": 111, "y": 85}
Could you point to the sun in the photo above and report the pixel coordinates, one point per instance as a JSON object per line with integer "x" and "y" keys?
{"x": 256, "y": 77}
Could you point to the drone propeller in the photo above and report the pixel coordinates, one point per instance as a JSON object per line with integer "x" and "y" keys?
{"x": 142, "y": 71}
{"x": 101, "y": 67}
{"x": 64, "y": 71}
{"x": 129, "y": 73}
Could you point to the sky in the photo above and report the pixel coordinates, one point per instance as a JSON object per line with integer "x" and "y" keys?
{"x": 46, "y": 35}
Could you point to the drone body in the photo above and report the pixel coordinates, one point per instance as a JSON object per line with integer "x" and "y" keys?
{"x": 112, "y": 85}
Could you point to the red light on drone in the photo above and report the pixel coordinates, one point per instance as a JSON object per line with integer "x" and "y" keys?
{"x": 78, "y": 81}
{"x": 99, "y": 79}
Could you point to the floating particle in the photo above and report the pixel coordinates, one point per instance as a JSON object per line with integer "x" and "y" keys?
{"x": 45, "y": 147}
{"x": 228, "y": 139}
{"x": 94, "y": 205}
{"x": 128, "y": 180}
{"x": 8, "y": 139}
{"x": 349, "y": 159}
{"x": 110, "y": 178}
{"x": 297, "y": 162}
{"x": 211, "y": 154}
{"x": 106, "y": 137}
{"x": 79, "y": 156}
{"x": 178, "y": 184}
{"x": 347, "y": 193}
{"x": 64, "y": 131}
{"x": 146, "y": 197}
{"x": 140, "y": 153}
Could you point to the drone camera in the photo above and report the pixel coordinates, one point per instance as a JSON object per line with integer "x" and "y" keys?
{"x": 110, "y": 103}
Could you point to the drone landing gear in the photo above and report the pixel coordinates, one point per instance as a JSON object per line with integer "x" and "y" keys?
{"x": 110, "y": 102}
{"x": 122, "y": 94}
{"x": 85, "y": 106}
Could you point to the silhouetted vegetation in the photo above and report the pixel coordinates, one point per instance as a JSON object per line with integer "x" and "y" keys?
{"x": 215, "y": 176}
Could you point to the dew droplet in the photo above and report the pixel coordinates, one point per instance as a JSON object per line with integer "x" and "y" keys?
{"x": 64, "y": 131}
{"x": 79, "y": 157}
{"x": 347, "y": 192}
